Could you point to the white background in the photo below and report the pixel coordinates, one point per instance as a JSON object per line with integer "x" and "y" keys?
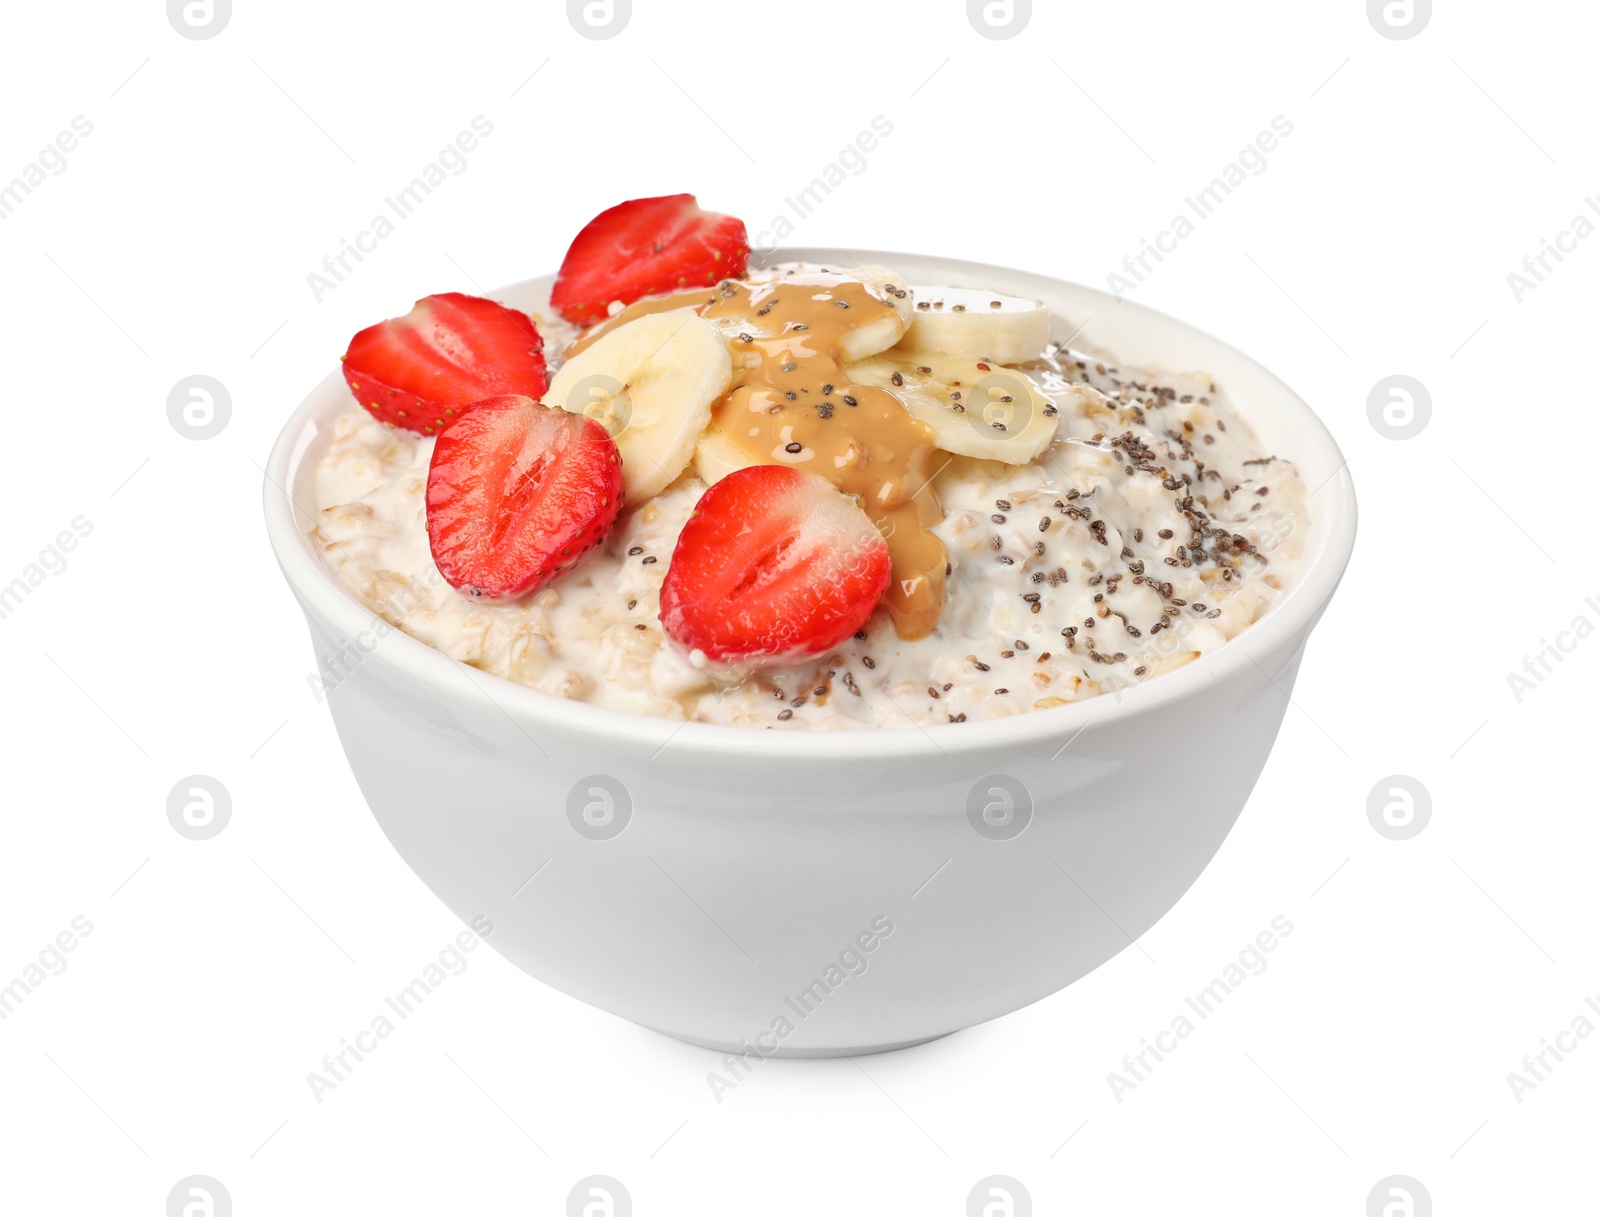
{"x": 178, "y": 240}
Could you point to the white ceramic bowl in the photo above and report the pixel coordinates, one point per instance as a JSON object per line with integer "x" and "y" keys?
{"x": 736, "y": 907}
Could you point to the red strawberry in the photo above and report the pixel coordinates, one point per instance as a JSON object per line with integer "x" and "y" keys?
{"x": 418, "y": 371}
{"x": 643, "y": 247}
{"x": 774, "y": 566}
{"x": 517, "y": 493}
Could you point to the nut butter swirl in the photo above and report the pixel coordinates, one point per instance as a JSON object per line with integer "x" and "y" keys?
{"x": 791, "y": 403}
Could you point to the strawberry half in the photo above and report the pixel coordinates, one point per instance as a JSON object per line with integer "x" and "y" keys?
{"x": 420, "y": 370}
{"x": 517, "y": 493}
{"x": 643, "y": 247}
{"x": 774, "y": 566}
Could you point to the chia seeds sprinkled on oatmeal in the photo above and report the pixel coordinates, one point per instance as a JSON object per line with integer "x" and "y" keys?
{"x": 1147, "y": 472}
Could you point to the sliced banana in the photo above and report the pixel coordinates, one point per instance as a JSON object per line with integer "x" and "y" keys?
{"x": 977, "y": 324}
{"x": 975, "y": 408}
{"x": 876, "y": 336}
{"x": 651, "y": 383}
{"x": 716, "y": 456}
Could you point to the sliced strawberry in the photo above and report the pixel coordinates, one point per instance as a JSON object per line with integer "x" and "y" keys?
{"x": 418, "y": 371}
{"x": 517, "y": 493}
{"x": 645, "y": 246}
{"x": 774, "y": 566}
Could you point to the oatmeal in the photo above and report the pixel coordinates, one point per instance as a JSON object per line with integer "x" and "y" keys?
{"x": 813, "y": 497}
{"x": 1148, "y": 532}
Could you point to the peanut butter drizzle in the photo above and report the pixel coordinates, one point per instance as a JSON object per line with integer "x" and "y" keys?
{"x": 697, "y": 298}
{"x": 790, "y": 403}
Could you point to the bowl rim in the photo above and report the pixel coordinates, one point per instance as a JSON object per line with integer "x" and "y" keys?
{"x": 1294, "y": 613}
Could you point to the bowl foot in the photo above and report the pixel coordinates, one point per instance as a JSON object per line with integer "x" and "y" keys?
{"x": 800, "y": 1053}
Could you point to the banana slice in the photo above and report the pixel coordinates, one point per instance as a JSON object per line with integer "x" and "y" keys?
{"x": 651, "y": 383}
{"x": 876, "y": 336}
{"x": 716, "y": 456}
{"x": 977, "y": 324}
{"x": 975, "y": 408}
{"x": 858, "y": 340}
